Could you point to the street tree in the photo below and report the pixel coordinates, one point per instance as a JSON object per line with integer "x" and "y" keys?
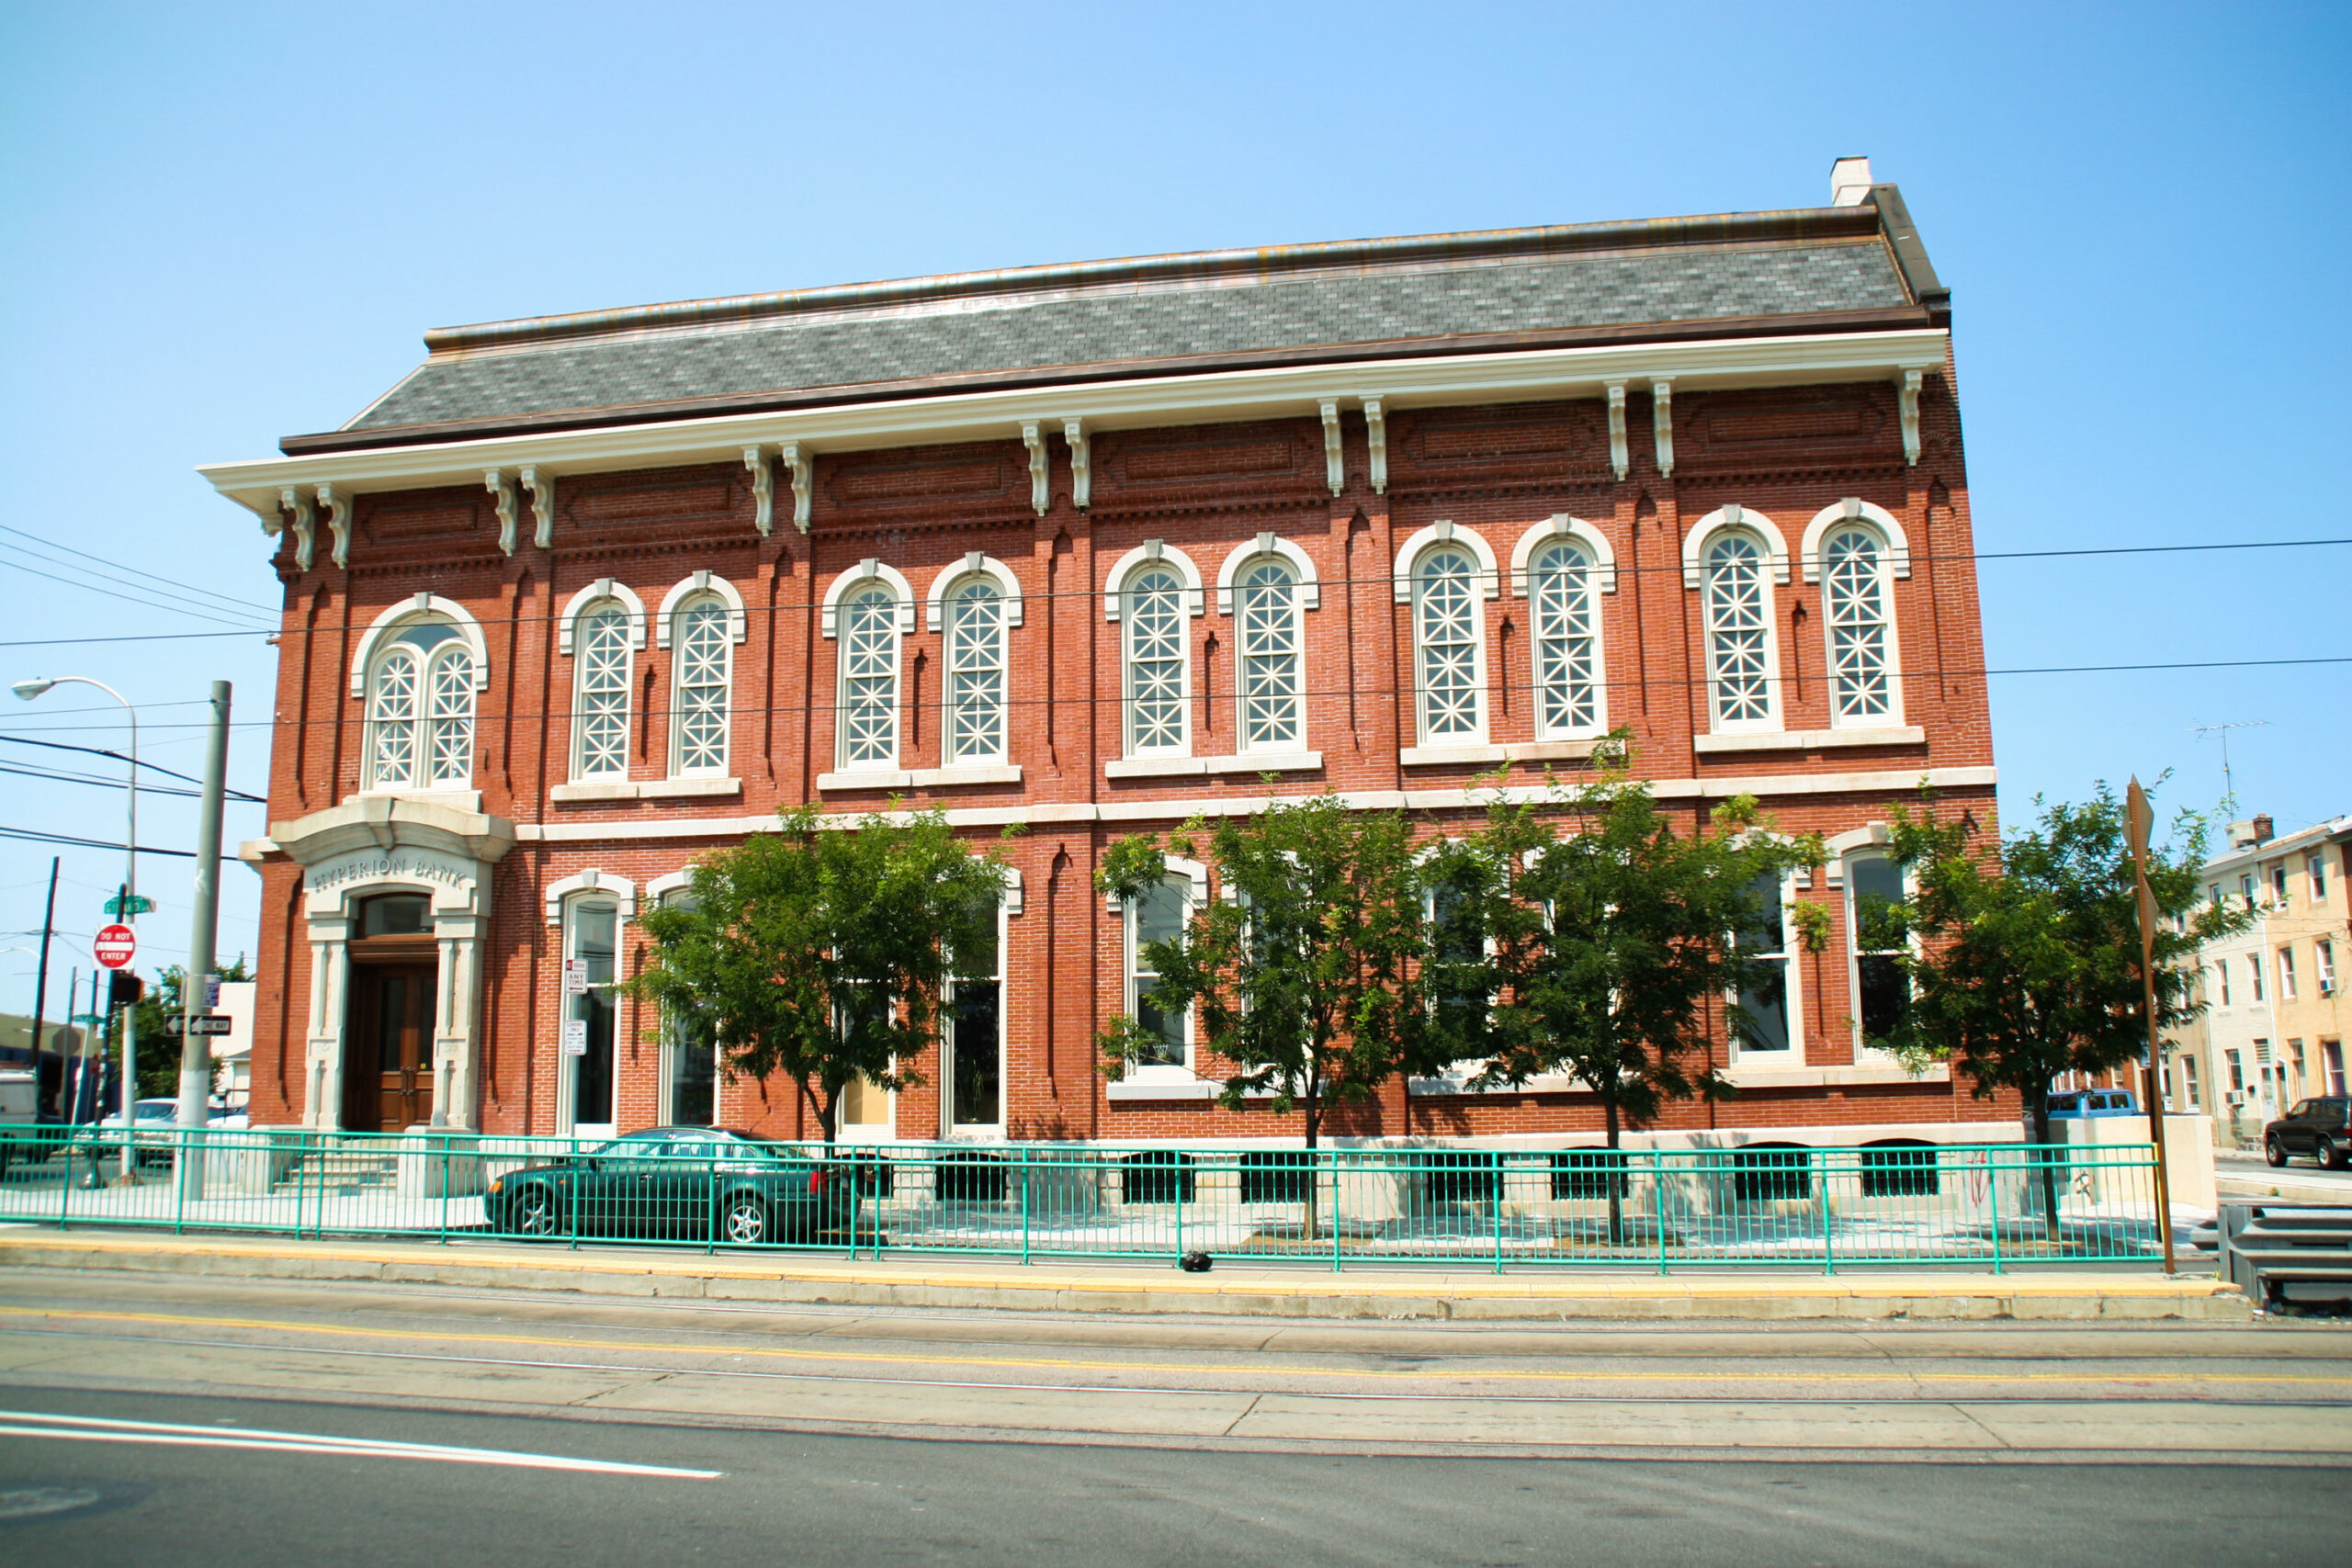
{"x": 819, "y": 952}
{"x": 1300, "y": 975}
{"x": 1604, "y": 945}
{"x": 159, "y": 1012}
{"x": 2023, "y": 955}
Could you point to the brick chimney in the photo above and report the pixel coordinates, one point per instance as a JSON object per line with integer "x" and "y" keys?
{"x": 1849, "y": 181}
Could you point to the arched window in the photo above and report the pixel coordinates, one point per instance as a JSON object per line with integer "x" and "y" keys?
{"x": 1567, "y": 642}
{"x": 1859, "y": 624}
{"x": 1266, "y": 652}
{"x": 1449, "y": 644}
{"x": 1158, "y": 915}
{"x": 421, "y": 709}
{"x": 1881, "y": 992}
{"x": 1159, "y": 673}
{"x": 1741, "y": 660}
{"x": 702, "y": 668}
{"x": 601, "y": 640}
{"x": 591, "y": 942}
{"x": 974, "y": 624}
{"x": 869, "y": 711}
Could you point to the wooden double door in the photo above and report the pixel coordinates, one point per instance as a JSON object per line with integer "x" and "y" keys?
{"x": 388, "y": 1075}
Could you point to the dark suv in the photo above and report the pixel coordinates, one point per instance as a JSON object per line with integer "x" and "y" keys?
{"x": 683, "y": 1183}
{"x": 2315, "y": 1127}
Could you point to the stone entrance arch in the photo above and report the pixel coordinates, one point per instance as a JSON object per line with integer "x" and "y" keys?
{"x": 374, "y": 845}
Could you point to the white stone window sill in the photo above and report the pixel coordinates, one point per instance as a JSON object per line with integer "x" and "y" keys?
{"x": 1811, "y": 740}
{"x": 1179, "y": 1089}
{"x": 1177, "y": 767}
{"x": 463, "y": 800}
{"x": 1508, "y": 752}
{"x": 1755, "y": 1073}
{"x": 918, "y": 778}
{"x": 645, "y": 789}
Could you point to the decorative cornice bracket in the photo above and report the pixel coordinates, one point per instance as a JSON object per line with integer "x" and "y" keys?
{"x": 1376, "y": 428}
{"x": 762, "y": 488}
{"x": 1041, "y": 470}
{"x": 1620, "y": 458}
{"x": 1335, "y": 467}
{"x": 337, "y": 501}
{"x": 541, "y": 484}
{"x": 1082, "y": 463}
{"x": 1662, "y": 422}
{"x": 496, "y": 482}
{"x": 1912, "y": 380}
{"x": 293, "y": 499}
{"x": 802, "y": 463}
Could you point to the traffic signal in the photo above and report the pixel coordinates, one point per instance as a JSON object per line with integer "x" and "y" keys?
{"x": 124, "y": 989}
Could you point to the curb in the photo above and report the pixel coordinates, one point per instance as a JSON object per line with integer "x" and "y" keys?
{"x": 1259, "y": 1293}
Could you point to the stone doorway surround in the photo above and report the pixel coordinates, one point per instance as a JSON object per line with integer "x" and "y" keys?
{"x": 389, "y": 843}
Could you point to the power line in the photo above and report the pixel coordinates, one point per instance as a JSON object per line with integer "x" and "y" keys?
{"x": 118, "y": 593}
{"x": 102, "y": 751}
{"x": 1385, "y": 578}
{"x": 35, "y": 836}
{"x": 175, "y": 586}
{"x": 51, "y": 776}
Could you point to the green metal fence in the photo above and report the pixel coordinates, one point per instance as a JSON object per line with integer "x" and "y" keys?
{"x": 1988, "y": 1205}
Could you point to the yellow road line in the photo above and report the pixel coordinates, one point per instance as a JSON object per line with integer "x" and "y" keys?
{"x": 641, "y": 1348}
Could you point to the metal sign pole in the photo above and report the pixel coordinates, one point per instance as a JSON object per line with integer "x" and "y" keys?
{"x": 2140, "y": 820}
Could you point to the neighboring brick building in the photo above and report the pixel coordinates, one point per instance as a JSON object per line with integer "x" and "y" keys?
{"x": 1087, "y": 549}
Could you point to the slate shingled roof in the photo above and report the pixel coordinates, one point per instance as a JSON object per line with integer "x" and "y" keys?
{"x": 1842, "y": 268}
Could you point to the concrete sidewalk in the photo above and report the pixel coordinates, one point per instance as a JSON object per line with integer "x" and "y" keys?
{"x": 1232, "y": 1289}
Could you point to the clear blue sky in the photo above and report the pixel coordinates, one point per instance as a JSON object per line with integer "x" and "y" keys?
{"x": 222, "y": 226}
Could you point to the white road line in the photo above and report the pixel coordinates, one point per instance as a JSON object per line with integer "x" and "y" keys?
{"x": 99, "y": 1429}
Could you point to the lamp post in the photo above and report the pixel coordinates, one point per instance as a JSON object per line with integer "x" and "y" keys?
{"x": 27, "y": 691}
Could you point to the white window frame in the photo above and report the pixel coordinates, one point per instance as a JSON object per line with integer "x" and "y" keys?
{"x": 1411, "y": 589}
{"x": 568, "y": 901}
{"x": 1891, "y": 645}
{"x": 1007, "y": 906}
{"x": 1118, "y": 606}
{"x": 1792, "y": 986}
{"x": 947, "y": 606}
{"x": 1232, "y": 587}
{"x": 1195, "y": 879}
{"x": 2287, "y": 972}
{"x": 376, "y": 650}
{"x": 2253, "y": 967}
{"x": 1863, "y": 1049}
{"x": 663, "y": 892}
{"x": 2316, "y": 873}
{"x": 2323, "y": 965}
{"x": 1590, "y": 571}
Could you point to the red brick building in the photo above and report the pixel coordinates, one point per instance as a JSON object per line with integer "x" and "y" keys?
{"x": 1087, "y": 549}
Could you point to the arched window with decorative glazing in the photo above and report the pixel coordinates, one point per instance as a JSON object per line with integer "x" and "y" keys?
{"x": 602, "y": 643}
{"x": 1859, "y": 624}
{"x": 702, "y": 670}
{"x": 1568, "y": 682}
{"x": 974, "y": 624}
{"x": 1742, "y": 662}
{"x": 1269, "y": 678}
{"x": 421, "y": 709}
{"x": 869, "y": 678}
{"x": 1449, "y": 646}
{"x": 1158, "y": 674}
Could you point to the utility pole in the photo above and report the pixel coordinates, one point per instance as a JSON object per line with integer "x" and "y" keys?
{"x": 2139, "y": 819}
{"x": 195, "y": 1049}
{"x": 41, "y": 983}
{"x": 2228, "y": 786}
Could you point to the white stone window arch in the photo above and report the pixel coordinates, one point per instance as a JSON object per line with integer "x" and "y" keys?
{"x": 1161, "y": 913}
{"x": 868, "y": 611}
{"x": 973, "y": 605}
{"x": 1562, "y": 567}
{"x": 419, "y": 668}
{"x": 1268, "y": 586}
{"x": 1855, "y": 551}
{"x": 602, "y": 629}
{"x": 1155, "y": 590}
{"x": 701, "y": 621}
{"x": 1734, "y": 557}
{"x": 1446, "y": 573}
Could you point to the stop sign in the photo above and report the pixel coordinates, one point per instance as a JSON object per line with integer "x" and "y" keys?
{"x": 114, "y": 945}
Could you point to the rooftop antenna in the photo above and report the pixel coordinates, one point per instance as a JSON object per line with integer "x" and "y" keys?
{"x": 2228, "y": 786}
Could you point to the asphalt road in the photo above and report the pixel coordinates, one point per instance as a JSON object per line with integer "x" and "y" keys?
{"x": 188, "y": 1422}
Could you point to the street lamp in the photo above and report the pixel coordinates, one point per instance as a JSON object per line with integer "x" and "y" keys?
{"x": 27, "y": 691}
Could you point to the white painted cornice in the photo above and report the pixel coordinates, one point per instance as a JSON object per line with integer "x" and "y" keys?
{"x": 1228, "y": 395}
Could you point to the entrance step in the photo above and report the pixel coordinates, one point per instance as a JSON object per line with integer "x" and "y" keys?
{"x": 340, "y": 1171}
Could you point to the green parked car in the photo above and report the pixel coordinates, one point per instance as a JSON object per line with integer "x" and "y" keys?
{"x": 678, "y": 1184}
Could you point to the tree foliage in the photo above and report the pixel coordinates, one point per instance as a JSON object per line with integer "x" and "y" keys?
{"x": 819, "y": 952}
{"x": 159, "y": 1014}
{"x": 1301, "y": 974}
{"x": 2025, "y": 953}
{"x": 1586, "y": 938}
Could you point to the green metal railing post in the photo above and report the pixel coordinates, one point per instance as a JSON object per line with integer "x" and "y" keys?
{"x": 1497, "y": 1158}
{"x": 1657, "y": 1202}
{"x": 1993, "y": 1203}
{"x": 1025, "y": 1206}
{"x": 1821, "y": 1190}
{"x": 1179, "y": 1211}
{"x": 1332, "y": 1156}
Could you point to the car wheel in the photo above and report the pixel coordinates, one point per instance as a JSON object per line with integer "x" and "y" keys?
{"x": 743, "y": 1221}
{"x": 2333, "y": 1154}
{"x": 535, "y": 1211}
{"x": 2273, "y": 1151}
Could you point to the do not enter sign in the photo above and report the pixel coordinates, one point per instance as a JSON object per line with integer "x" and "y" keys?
{"x": 114, "y": 946}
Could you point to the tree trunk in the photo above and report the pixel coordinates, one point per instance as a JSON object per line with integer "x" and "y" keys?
{"x": 1609, "y": 1174}
{"x": 2038, "y": 1098}
{"x": 1312, "y": 1102}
